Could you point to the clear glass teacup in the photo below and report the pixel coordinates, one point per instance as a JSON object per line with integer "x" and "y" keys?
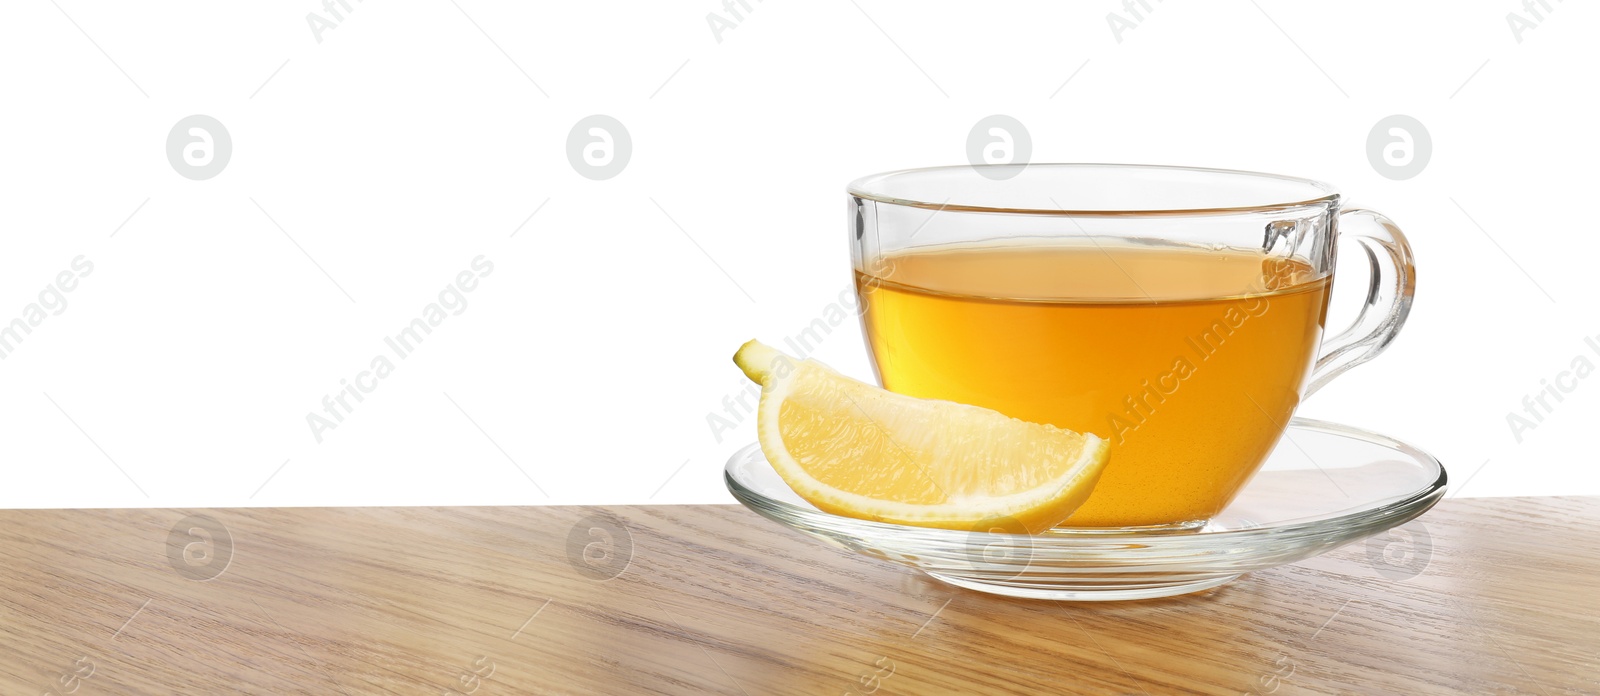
{"x": 1177, "y": 312}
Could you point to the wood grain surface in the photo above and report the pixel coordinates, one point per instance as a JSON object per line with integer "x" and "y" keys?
{"x": 1481, "y": 596}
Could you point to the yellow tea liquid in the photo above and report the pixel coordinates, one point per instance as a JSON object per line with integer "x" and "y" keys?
{"x": 1189, "y": 361}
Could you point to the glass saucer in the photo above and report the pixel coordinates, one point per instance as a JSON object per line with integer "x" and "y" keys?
{"x": 1324, "y": 486}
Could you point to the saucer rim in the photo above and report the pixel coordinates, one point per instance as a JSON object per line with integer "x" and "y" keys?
{"x": 1360, "y": 516}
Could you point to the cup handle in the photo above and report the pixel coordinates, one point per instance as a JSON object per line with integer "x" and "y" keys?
{"x": 1389, "y": 292}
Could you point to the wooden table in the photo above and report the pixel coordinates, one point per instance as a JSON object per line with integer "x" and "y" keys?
{"x": 713, "y": 599}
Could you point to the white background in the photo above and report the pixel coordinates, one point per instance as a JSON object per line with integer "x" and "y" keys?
{"x": 410, "y": 140}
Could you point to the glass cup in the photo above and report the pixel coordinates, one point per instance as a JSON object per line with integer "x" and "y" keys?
{"x": 1176, "y": 312}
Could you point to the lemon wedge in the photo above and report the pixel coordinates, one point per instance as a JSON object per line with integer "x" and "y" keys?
{"x": 853, "y": 449}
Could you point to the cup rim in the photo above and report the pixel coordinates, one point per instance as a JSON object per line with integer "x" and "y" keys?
{"x": 870, "y": 187}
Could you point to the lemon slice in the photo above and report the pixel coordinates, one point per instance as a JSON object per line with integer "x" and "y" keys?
{"x": 856, "y": 450}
